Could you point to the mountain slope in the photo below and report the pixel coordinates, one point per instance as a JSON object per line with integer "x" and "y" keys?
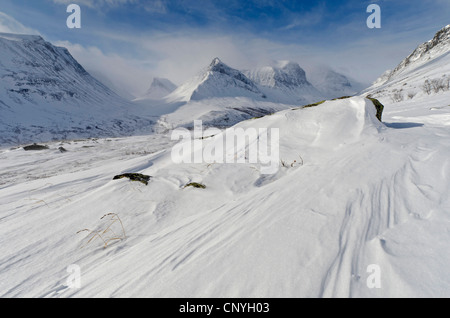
{"x": 221, "y": 97}
{"x": 332, "y": 84}
{"x": 46, "y": 94}
{"x": 425, "y": 72}
{"x": 285, "y": 82}
{"x": 218, "y": 80}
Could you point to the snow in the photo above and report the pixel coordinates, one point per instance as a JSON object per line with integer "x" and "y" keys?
{"x": 430, "y": 61}
{"x": 218, "y": 80}
{"x": 46, "y": 94}
{"x": 350, "y": 196}
{"x": 367, "y": 193}
{"x": 332, "y": 84}
{"x": 285, "y": 82}
{"x": 159, "y": 88}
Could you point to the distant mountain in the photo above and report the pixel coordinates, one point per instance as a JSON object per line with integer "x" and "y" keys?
{"x": 332, "y": 84}
{"x": 284, "y": 82}
{"x": 46, "y": 94}
{"x": 426, "y": 71}
{"x": 159, "y": 88}
{"x": 218, "y": 80}
{"x": 222, "y": 96}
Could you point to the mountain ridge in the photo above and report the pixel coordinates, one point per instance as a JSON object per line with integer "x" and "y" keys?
{"x": 424, "y": 72}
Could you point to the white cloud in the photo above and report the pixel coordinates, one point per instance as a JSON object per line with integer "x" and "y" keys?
{"x": 126, "y": 76}
{"x": 96, "y": 3}
{"x": 156, "y": 6}
{"x": 152, "y": 6}
{"x": 10, "y": 25}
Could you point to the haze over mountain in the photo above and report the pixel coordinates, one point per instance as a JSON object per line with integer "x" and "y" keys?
{"x": 218, "y": 80}
{"x": 159, "y": 88}
{"x": 285, "y": 82}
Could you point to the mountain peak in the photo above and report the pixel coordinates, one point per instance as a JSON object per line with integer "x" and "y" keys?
{"x": 159, "y": 88}
{"x": 218, "y": 66}
{"x": 219, "y": 80}
{"x": 284, "y": 74}
{"x": 215, "y": 62}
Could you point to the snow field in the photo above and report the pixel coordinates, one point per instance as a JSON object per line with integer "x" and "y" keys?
{"x": 366, "y": 193}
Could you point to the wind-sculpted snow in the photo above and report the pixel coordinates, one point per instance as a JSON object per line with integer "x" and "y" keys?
{"x": 352, "y": 193}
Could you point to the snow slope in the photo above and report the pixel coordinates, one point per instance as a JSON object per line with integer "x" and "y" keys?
{"x": 349, "y": 194}
{"x": 216, "y": 112}
{"x": 424, "y": 73}
{"x": 285, "y": 83}
{"x": 352, "y": 192}
{"x": 45, "y": 94}
{"x": 218, "y": 80}
{"x": 332, "y": 84}
{"x": 221, "y": 97}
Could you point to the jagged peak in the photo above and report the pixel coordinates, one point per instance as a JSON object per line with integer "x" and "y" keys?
{"x": 280, "y": 74}
{"x": 218, "y": 66}
{"x": 215, "y": 62}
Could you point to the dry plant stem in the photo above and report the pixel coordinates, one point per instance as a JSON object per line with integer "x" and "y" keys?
{"x": 95, "y": 234}
{"x": 114, "y": 215}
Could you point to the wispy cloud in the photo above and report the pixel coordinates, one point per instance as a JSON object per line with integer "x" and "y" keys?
{"x": 10, "y": 25}
{"x": 124, "y": 75}
{"x": 153, "y": 6}
{"x": 97, "y": 3}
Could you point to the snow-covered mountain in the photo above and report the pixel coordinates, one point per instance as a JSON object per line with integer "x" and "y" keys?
{"x": 425, "y": 72}
{"x": 332, "y": 84}
{"x": 218, "y": 80}
{"x": 46, "y": 94}
{"x": 284, "y": 82}
{"x": 159, "y": 88}
{"x": 222, "y": 96}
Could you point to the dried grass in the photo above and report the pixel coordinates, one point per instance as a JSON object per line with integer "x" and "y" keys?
{"x": 108, "y": 234}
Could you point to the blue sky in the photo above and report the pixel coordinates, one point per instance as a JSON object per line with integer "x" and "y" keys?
{"x": 127, "y": 42}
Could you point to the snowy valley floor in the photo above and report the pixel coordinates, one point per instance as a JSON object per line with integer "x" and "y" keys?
{"x": 366, "y": 194}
